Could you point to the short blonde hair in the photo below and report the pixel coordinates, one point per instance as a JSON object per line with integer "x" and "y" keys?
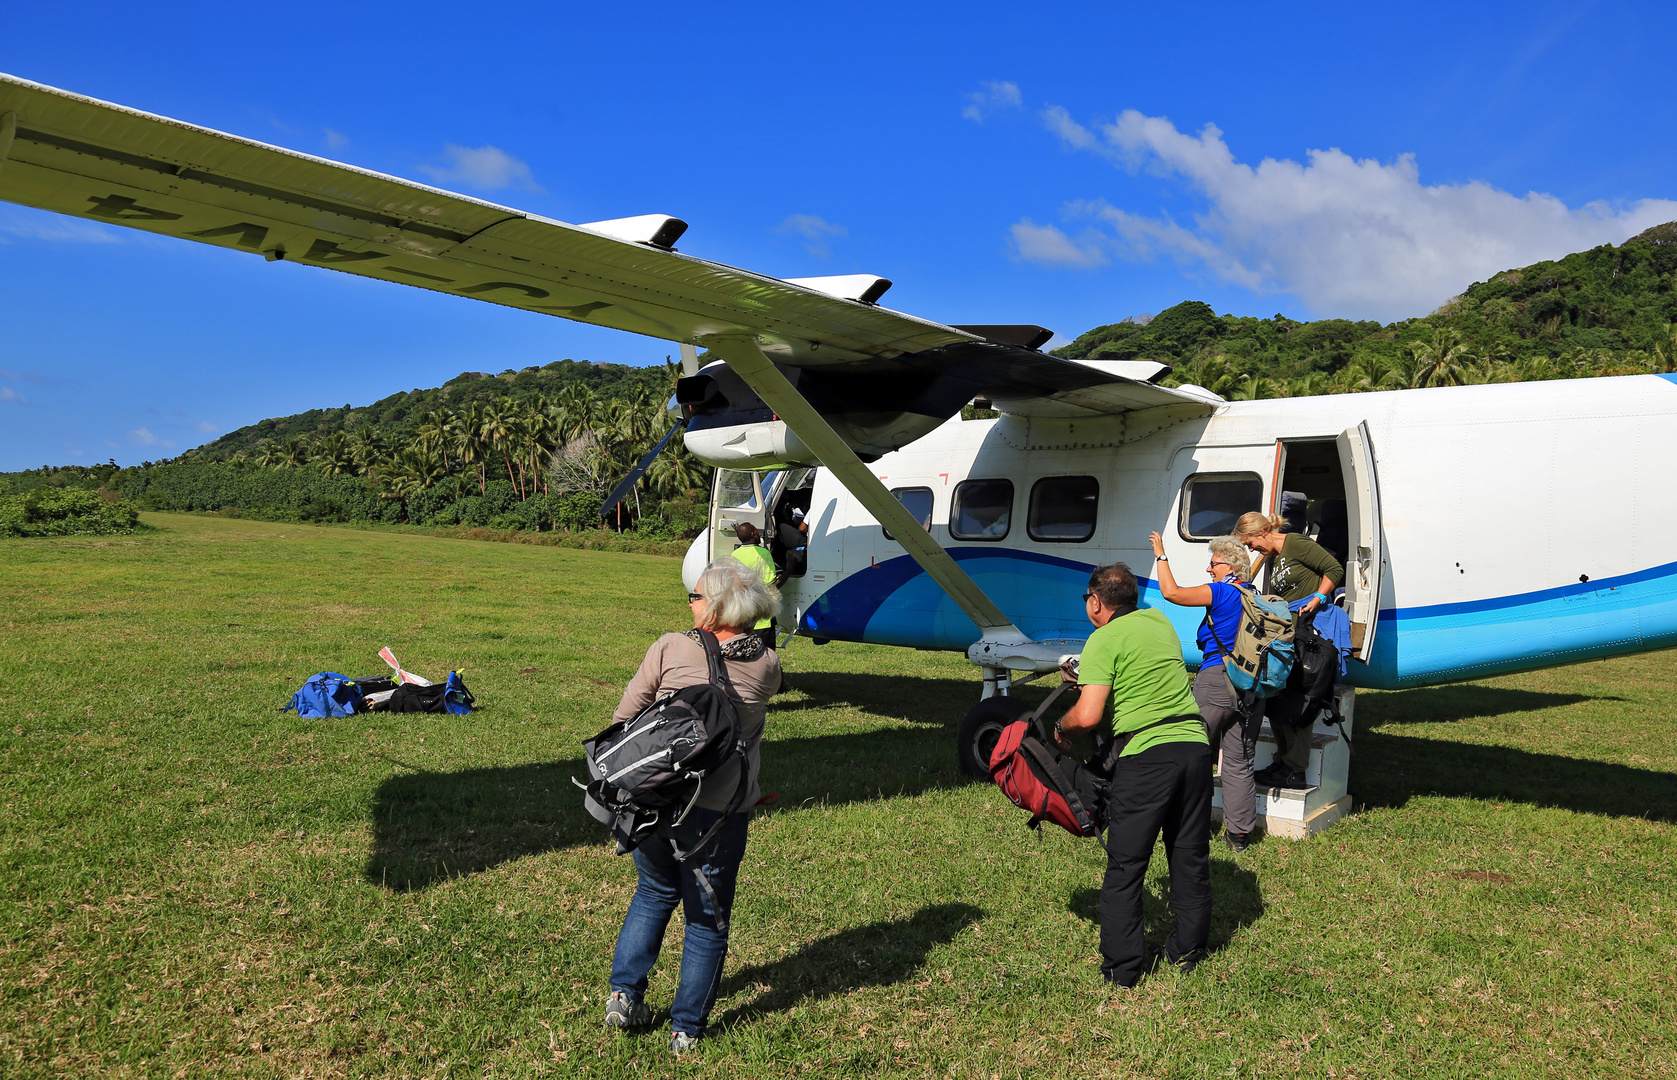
{"x": 1256, "y": 524}
{"x": 735, "y": 595}
{"x": 1231, "y": 551}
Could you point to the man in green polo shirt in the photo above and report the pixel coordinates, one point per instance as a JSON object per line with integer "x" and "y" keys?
{"x": 756, "y": 556}
{"x": 1135, "y": 689}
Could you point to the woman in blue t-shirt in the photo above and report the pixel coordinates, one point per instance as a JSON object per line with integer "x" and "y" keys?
{"x": 1235, "y": 735}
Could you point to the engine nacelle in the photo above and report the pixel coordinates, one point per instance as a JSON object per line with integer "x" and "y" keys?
{"x": 729, "y": 427}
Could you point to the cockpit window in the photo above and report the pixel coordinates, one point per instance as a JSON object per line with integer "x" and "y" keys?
{"x": 981, "y": 510}
{"x": 736, "y": 490}
{"x": 1213, "y": 502}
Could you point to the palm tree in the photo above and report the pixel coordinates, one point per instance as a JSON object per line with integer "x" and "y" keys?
{"x": 1251, "y": 388}
{"x": 433, "y": 432}
{"x": 1665, "y": 351}
{"x": 497, "y": 431}
{"x": 466, "y": 431}
{"x": 1441, "y": 361}
{"x": 333, "y": 455}
{"x": 294, "y": 453}
{"x": 269, "y": 456}
{"x": 368, "y": 448}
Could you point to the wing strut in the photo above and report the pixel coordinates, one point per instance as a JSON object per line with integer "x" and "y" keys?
{"x": 743, "y": 355}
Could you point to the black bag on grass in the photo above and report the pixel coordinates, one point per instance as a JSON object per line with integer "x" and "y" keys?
{"x": 450, "y": 697}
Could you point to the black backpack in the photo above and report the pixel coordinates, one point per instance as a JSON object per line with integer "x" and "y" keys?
{"x": 1315, "y": 675}
{"x": 645, "y": 772}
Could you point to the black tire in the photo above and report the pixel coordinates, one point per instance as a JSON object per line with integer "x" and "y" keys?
{"x": 980, "y": 730}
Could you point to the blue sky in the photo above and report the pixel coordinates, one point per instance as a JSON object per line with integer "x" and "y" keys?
{"x": 1056, "y": 163}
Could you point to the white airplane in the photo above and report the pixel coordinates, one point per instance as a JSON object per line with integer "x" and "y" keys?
{"x": 1485, "y": 529}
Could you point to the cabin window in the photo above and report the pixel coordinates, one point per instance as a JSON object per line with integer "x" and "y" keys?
{"x": 1213, "y": 502}
{"x": 917, "y": 501}
{"x": 981, "y": 510}
{"x": 736, "y": 490}
{"x": 1063, "y": 509}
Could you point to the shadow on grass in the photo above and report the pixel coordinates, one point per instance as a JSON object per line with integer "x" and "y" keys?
{"x": 1449, "y": 704}
{"x": 1235, "y": 903}
{"x": 907, "y": 697}
{"x": 878, "y": 954}
{"x": 430, "y": 827}
{"x": 1389, "y": 770}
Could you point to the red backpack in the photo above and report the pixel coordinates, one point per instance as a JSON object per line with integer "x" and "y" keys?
{"x": 1040, "y": 779}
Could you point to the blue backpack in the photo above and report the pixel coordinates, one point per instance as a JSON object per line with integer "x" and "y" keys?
{"x": 327, "y": 695}
{"x": 1261, "y": 657}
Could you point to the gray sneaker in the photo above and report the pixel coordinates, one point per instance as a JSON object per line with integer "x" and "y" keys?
{"x": 624, "y": 1012}
{"x": 681, "y": 1042}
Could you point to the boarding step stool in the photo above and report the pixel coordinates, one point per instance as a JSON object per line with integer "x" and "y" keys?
{"x": 1300, "y": 813}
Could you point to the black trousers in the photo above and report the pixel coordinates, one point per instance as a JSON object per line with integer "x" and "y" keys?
{"x": 1165, "y": 788}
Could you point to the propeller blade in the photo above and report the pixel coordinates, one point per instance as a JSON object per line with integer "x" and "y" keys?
{"x": 627, "y": 484}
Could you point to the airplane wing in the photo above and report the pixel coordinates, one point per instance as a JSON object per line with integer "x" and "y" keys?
{"x": 86, "y": 158}
{"x": 865, "y": 364}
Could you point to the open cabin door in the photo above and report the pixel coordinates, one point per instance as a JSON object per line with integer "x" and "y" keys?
{"x": 738, "y": 496}
{"x": 1365, "y": 559}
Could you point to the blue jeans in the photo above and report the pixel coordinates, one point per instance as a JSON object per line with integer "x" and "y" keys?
{"x": 664, "y": 882}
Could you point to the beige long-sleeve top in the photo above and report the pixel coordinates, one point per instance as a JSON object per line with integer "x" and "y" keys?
{"x": 676, "y": 661}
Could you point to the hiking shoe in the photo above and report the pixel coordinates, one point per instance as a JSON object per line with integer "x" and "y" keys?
{"x": 1283, "y": 778}
{"x": 1186, "y": 963}
{"x": 624, "y": 1012}
{"x": 681, "y": 1042}
{"x": 1239, "y": 841}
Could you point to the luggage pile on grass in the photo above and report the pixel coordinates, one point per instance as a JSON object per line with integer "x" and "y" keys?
{"x": 328, "y": 694}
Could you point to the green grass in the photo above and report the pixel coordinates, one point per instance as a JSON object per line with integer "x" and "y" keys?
{"x": 194, "y": 882}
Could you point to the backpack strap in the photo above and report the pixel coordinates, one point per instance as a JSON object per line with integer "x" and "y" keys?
{"x": 718, "y": 668}
{"x": 1040, "y": 754}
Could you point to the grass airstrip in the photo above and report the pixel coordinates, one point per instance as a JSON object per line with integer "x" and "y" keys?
{"x": 193, "y": 882}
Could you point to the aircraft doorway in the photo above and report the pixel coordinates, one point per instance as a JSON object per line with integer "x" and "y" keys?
{"x": 1326, "y": 489}
{"x": 1310, "y": 492}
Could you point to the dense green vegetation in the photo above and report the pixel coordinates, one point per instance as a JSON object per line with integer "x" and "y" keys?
{"x": 1606, "y": 311}
{"x": 537, "y": 450}
{"x": 64, "y": 512}
{"x": 194, "y": 883}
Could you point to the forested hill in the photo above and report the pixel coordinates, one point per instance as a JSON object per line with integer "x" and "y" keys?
{"x": 398, "y": 417}
{"x": 1606, "y": 311}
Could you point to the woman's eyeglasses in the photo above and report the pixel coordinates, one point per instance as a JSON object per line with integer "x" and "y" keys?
{"x": 1219, "y": 562}
{"x": 692, "y": 596}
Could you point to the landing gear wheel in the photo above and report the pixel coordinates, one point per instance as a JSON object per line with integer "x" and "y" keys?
{"x": 980, "y": 730}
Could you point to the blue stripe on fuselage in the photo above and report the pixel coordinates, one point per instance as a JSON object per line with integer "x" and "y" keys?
{"x": 895, "y": 603}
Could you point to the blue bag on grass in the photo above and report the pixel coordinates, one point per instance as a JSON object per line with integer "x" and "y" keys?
{"x": 327, "y": 695}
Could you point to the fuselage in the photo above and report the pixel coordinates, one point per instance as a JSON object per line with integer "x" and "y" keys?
{"x": 1520, "y": 525}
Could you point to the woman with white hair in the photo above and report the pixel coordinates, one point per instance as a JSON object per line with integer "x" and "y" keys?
{"x": 1237, "y": 736}
{"x": 728, "y": 601}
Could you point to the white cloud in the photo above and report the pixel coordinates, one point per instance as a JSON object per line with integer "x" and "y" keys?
{"x": 814, "y": 231}
{"x": 994, "y": 95}
{"x": 1047, "y": 245}
{"x": 486, "y": 167}
{"x": 8, "y": 394}
{"x": 142, "y": 437}
{"x": 205, "y": 427}
{"x": 1347, "y": 237}
{"x": 23, "y": 223}
{"x": 335, "y": 140}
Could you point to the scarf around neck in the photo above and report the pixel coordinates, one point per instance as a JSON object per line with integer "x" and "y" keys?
{"x": 745, "y": 647}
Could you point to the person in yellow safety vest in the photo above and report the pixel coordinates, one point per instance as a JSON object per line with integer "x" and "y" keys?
{"x": 756, "y": 556}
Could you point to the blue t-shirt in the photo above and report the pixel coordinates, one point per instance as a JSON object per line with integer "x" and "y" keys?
{"x": 1225, "y": 608}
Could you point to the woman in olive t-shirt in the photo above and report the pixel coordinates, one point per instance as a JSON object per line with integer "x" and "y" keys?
{"x": 1305, "y": 574}
{"x": 1300, "y": 568}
